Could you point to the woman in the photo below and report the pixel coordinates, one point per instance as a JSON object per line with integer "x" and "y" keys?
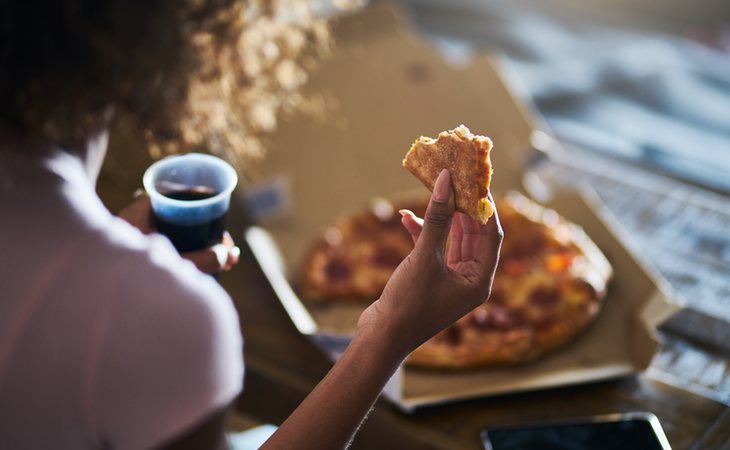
{"x": 108, "y": 339}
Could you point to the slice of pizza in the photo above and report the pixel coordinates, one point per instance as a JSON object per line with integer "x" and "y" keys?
{"x": 466, "y": 155}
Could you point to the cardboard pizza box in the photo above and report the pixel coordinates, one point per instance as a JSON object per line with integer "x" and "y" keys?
{"x": 387, "y": 86}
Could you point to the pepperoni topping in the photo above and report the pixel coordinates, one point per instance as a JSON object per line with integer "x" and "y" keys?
{"x": 545, "y": 296}
{"x": 337, "y": 269}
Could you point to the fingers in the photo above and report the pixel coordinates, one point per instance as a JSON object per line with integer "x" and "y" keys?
{"x": 472, "y": 237}
{"x": 411, "y": 223}
{"x": 439, "y": 213}
{"x": 490, "y": 241}
{"x": 139, "y": 214}
{"x": 218, "y": 258}
{"x": 457, "y": 234}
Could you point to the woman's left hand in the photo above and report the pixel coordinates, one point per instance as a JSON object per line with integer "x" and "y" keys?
{"x": 218, "y": 258}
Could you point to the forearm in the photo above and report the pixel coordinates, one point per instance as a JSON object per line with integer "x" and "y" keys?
{"x": 330, "y": 415}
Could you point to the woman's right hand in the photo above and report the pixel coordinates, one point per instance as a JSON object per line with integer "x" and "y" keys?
{"x": 218, "y": 258}
{"x": 431, "y": 288}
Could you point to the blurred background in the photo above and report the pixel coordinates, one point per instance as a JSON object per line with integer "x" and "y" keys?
{"x": 644, "y": 81}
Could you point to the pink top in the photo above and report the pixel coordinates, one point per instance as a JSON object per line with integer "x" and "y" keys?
{"x": 108, "y": 339}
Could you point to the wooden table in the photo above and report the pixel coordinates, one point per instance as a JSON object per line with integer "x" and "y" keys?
{"x": 283, "y": 366}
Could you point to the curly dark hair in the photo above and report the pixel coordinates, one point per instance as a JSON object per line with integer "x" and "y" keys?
{"x": 187, "y": 73}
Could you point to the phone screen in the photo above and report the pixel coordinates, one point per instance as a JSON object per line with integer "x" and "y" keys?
{"x": 591, "y": 434}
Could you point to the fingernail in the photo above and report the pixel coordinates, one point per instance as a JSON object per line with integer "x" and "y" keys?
{"x": 221, "y": 254}
{"x": 405, "y": 212}
{"x": 236, "y": 252}
{"x": 442, "y": 188}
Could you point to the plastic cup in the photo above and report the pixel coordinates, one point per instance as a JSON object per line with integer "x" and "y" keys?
{"x": 190, "y": 198}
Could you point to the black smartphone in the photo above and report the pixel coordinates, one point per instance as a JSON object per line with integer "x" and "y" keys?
{"x": 635, "y": 430}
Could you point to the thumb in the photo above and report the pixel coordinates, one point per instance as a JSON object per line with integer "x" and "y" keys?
{"x": 440, "y": 211}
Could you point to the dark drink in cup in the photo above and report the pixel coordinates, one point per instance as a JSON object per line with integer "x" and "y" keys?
{"x": 190, "y": 197}
{"x": 187, "y": 237}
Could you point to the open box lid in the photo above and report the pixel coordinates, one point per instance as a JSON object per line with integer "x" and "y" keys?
{"x": 385, "y": 92}
{"x": 388, "y": 87}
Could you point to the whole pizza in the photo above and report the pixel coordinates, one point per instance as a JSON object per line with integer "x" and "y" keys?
{"x": 548, "y": 288}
